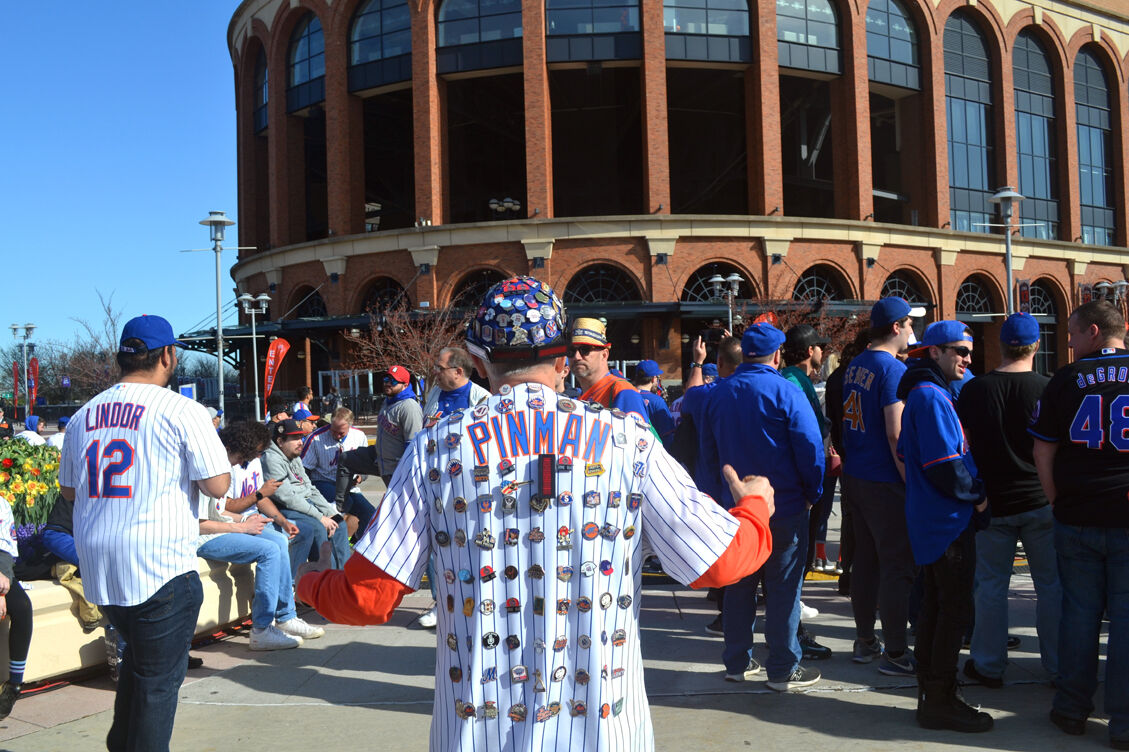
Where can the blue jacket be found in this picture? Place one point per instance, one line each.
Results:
(658, 415)
(761, 424)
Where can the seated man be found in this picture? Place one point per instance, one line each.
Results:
(320, 453)
(275, 624)
(298, 500)
(31, 433)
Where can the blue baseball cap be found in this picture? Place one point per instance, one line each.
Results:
(63, 421)
(941, 333)
(1019, 329)
(710, 369)
(889, 310)
(761, 339)
(154, 331)
(648, 368)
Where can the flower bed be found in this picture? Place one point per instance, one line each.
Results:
(29, 481)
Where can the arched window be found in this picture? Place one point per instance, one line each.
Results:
(807, 33)
(601, 283)
(699, 289)
(473, 288)
(379, 42)
(311, 305)
(716, 30)
(592, 30)
(968, 101)
(819, 283)
(262, 91)
(891, 45)
(1095, 149)
(972, 297)
(903, 285)
(1043, 307)
(474, 21)
(307, 65)
(383, 294)
(1035, 138)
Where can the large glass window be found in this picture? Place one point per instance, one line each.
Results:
(1044, 309)
(381, 29)
(1095, 149)
(307, 52)
(1035, 138)
(718, 17)
(820, 283)
(262, 91)
(601, 283)
(474, 21)
(891, 45)
(590, 16)
(968, 104)
(807, 33)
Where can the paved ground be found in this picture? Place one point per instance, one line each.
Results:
(365, 688)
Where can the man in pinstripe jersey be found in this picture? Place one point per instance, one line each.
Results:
(136, 459)
(539, 510)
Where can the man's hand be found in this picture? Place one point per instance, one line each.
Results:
(287, 526)
(324, 562)
(270, 486)
(698, 350)
(5, 585)
(982, 506)
(750, 485)
(254, 524)
(330, 525)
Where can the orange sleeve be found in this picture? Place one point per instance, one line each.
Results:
(360, 594)
(748, 550)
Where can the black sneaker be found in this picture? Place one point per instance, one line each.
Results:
(714, 627)
(1072, 726)
(970, 670)
(9, 693)
(1013, 642)
(194, 662)
(799, 678)
(813, 651)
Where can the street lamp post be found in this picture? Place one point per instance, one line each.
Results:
(27, 332)
(1005, 197)
(217, 222)
(733, 284)
(260, 308)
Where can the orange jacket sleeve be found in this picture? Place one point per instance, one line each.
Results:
(360, 594)
(748, 550)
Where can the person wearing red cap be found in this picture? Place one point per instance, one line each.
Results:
(399, 419)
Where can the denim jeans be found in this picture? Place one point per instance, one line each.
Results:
(783, 575)
(355, 504)
(157, 635)
(274, 585)
(818, 517)
(1093, 566)
(995, 554)
(946, 609)
(311, 534)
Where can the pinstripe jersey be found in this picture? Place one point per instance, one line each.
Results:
(132, 455)
(538, 641)
(8, 530)
(320, 451)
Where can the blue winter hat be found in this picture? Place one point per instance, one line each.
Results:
(31, 422)
(761, 339)
(888, 310)
(519, 318)
(941, 333)
(648, 368)
(710, 369)
(154, 331)
(1019, 329)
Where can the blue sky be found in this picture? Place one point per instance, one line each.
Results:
(118, 136)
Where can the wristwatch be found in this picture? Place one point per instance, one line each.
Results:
(695, 365)
(258, 496)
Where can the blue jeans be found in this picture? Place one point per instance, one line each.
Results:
(60, 544)
(1093, 566)
(157, 634)
(995, 554)
(274, 585)
(355, 504)
(783, 575)
(311, 534)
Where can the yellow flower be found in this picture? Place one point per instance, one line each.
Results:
(4, 477)
(30, 501)
(18, 486)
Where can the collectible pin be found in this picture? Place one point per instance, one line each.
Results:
(539, 645)
(513, 605)
(614, 498)
(518, 674)
(433, 475)
(460, 538)
(624, 601)
(505, 467)
(582, 676)
(564, 463)
(616, 673)
(535, 571)
(543, 714)
(459, 504)
(490, 640)
(536, 536)
(466, 576)
(560, 644)
(438, 505)
(606, 567)
(566, 405)
(588, 569)
(517, 711)
(486, 607)
(606, 601)
(464, 709)
(510, 572)
(456, 416)
(454, 468)
(629, 532)
(505, 405)
(468, 606)
(512, 536)
(539, 606)
(450, 603)
(487, 573)
(619, 439)
(480, 411)
(590, 530)
(584, 642)
(583, 604)
(618, 708)
(481, 473)
(641, 444)
(509, 503)
(431, 446)
(593, 469)
(485, 503)
(489, 710)
(639, 469)
(484, 539)
(537, 403)
(452, 642)
(564, 498)
(564, 573)
(562, 605)
(605, 710)
(456, 674)
(505, 389)
(512, 642)
(539, 503)
(442, 538)
(593, 406)
(591, 498)
(538, 682)
(449, 576)
(609, 531)
(564, 538)
(634, 501)
(514, 485)
(559, 673)
(619, 637)
(453, 440)
(577, 708)
(616, 412)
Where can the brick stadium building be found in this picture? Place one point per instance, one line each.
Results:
(837, 149)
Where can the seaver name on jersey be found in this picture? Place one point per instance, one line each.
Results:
(1103, 375)
(513, 435)
(859, 376)
(114, 415)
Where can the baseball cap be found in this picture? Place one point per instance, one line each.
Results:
(396, 373)
(288, 427)
(648, 368)
(761, 339)
(64, 420)
(941, 333)
(804, 335)
(305, 415)
(589, 332)
(520, 318)
(710, 369)
(888, 310)
(1019, 329)
(154, 331)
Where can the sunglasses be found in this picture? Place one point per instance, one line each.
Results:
(960, 350)
(583, 350)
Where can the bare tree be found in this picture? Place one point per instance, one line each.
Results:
(92, 361)
(412, 339)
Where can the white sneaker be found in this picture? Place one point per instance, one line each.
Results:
(297, 628)
(807, 612)
(428, 619)
(273, 638)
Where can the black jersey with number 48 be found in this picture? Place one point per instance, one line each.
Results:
(1085, 409)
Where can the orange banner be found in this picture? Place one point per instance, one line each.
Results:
(275, 353)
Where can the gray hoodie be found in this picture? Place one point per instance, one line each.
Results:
(296, 493)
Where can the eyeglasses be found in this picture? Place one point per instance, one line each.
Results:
(583, 350)
(438, 367)
(960, 350)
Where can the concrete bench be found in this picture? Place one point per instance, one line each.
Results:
(60, 647)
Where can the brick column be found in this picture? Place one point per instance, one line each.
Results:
(538, 113)
(1007, 158)
(286, 157)
(656, 142)
(762, 114)
(345, 147)
(935, 147)
(1070, 191)
(1119, 122)
(427, 105)
(850, 118)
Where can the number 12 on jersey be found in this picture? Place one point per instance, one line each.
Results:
(1088, 426)
(103, 463)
